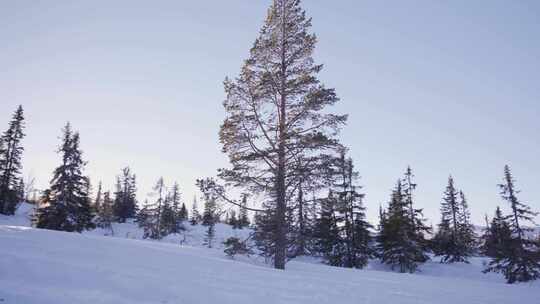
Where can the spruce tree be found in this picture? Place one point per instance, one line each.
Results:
(232, 220)
(179, 212)
(150, 218)
(277, 110)
(68, 207)
(144, 220)
(442, 239)
(350, 215)
(209, 219)
(519, 259)
(314, 175)
(497, 236)
(210, 216)
(209, 235)
(183, 214)
(265, 230)
(20, 192)
(455, 237)
(99, 199)
(243, 219)
(106, 215)
(397, 240)
(125, 201)
(11, 150)
(466, 228)
(159, 190)
(327, 233)
(195, 215)
(416, 217)
(408, 188)
(168, 221)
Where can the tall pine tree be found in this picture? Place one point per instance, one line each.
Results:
(327, 232)
(150, 218)
(454, 240)
(178, 209)
(351, 216)
(125, 201)
(497, 236)
(277, 110)
(105, 212)
(400, 243)
(209, 219)
(243, 219)
(466, 228)
(195, 215)
(68, 203)
(11, 150)
(519, 257)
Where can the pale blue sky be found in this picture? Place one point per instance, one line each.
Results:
(449, 87)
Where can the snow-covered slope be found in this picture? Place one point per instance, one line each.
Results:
(192, 236)
(41, 267)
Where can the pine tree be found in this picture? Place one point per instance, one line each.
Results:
(210, 216)
(232, 220)
(243, 219)
(497, 236)
(454, 240)
(350, 216)
(44, 200)
(125, 201)
(486, 235)
(11, 151)
(159, 190)
(209, 219)
(382, 217)
(327, 233)
(99, 199)
(398, 244)
(179, 212)
(408, 188)
(68, 207)
(183, 214)
(519, 257)
(314, 175)
(195, 215)
(442, 239)
(106, 215)
(150, 218)
(466, 228)
(264, 230)
(276, 110)
(20, 192)
(168, 221)
(145, 219)
(416, 217)
(209, 235)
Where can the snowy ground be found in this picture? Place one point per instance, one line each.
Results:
(42, 267)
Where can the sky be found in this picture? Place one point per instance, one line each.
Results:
(447, 87)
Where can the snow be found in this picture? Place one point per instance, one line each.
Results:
(42, 267)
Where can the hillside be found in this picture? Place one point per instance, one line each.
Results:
(42, 267)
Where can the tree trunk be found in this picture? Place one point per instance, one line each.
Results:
(301, 250)
(281, 204)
